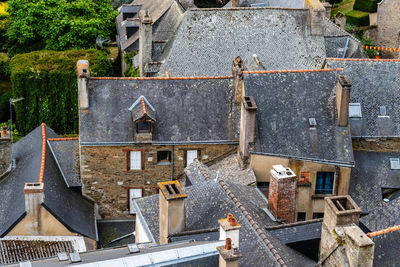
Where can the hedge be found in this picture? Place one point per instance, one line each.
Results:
(366, 5)
(357, 18)
(47, 81)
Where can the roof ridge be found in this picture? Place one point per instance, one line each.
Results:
(163, 78)
(143, 106)
(63, 139)
(43, 161)
(247, 8)
(287, 225)
(363, 59)
(202, 170)
(289, 71)
(255, 226)
(384, 231)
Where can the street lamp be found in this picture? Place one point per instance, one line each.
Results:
(12, 101)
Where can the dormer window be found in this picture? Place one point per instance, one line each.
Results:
(143, 116)
(355, 110)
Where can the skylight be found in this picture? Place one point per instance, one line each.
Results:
(354, 110)
(395, 163)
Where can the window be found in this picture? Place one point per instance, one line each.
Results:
(134, 193)
(324, 184)
(163, 157)
(354, 110)
(264, 187)
(304, 177)
(190, 156)
(301, 216)
(317, 215)
(143, 126)
(136, 160)
(395, 163)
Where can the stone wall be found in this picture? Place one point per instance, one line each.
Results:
(5, 155)
(106, 177)
(389, 26)
(377, 144)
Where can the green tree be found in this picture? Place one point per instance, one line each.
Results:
(58, 24)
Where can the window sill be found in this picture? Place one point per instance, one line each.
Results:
(321, 196)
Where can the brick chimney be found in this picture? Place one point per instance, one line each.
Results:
(34, 197)
(5, 152)
(247, 128)
(238, 83)
(235, 3)
(229, 228)
(343, 87)
(83, 74)
(316, 14)
(171, 210)
(145, 40)
(343, 243)
(282, 193)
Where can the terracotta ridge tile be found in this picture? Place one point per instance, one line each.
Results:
(290, 71)
(143, 106)
(162, 78)
(363, 59)
(384, 231)
(43, 161)
(63, 139)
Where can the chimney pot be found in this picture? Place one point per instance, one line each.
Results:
(229, 228)
(228, 244)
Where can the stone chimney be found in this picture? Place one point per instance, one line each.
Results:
(235, 3)
(229, 228)
(145, 40)
(343, 243)
(34, 197)
(247, 128)
(343, 87)
(171, 209)
(316, 14)
(282, 193)
(238, 83)
(83, 74)
(5, 152)
(228, 255)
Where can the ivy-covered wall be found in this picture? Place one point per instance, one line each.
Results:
(47, 81)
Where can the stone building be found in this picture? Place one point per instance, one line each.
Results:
(136, 132)
(5, 152)
(388, 23)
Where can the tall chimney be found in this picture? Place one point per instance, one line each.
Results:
(342, 241)
(235, 3)
(83, 74)
(238, 83)
(5, 152)
(282, 193)
(34, 197)
(145, 40)
(171, 210)
(228, 255)
(247, 128)
(229, 228)
(343, 87)
(316, 14)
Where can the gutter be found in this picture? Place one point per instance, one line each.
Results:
(213, 142)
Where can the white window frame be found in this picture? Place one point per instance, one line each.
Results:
(395, 163)
(355, 110)
(187, 156)
(133, 196)
(134, 155)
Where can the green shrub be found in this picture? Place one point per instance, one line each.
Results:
(131, 71)
(366, 5)
(357, 18)
(47, 81)
(4, 66)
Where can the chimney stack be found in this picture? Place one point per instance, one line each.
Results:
(229, 228)
(5, 152)
(342, 241)
(343, 87)
(238, 83)
(145, 40)
(282, 193)
(34, 197)
(235, 3)
(228, 255)
(247, 128)
(83, 74)
(316, 14)
(171, 209)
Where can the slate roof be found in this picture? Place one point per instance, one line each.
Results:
(371, 173)
(208, 40)
(74, 211)
(298, 233)
(271, 3)
(208, 202)
(285, 102)
(191, 110)
(66, 154)
(118, 231)
(376, 83)
(387, 246)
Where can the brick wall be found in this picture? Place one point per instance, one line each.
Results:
(106, 177)
(5, 155)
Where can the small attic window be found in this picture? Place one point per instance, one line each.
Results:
(312, 122)
(395, 163)
(143, 127)
(355, 110)
(382, 111)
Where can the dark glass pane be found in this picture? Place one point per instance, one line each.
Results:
(143, 126)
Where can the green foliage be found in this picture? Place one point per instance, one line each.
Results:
(131, 71)
(4, 22)
(365, 40)
(366, 5)
(15, 134)
(357, 18)
(58, 24)
(47, 81)
(4, 105)
(4, 66)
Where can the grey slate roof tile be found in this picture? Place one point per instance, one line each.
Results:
(285, 103)
(271, 3)
(376, 83)
(186, 110)
(298, 233)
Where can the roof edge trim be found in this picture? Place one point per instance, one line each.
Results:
(43, 162)
(227, 142)
(139, 216)
(13, 225)
(58, 164)
(362, 59)
(290, 71)
(138, 100)
(161, 78)
(247, 8)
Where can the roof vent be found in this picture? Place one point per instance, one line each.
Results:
(312, 122)
(355, 110)
(62, 256)
(382, 111)
(133, 248)
(75, 257)
(395, 163)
